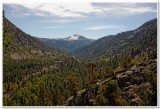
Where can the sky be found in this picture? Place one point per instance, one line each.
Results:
(92, 20)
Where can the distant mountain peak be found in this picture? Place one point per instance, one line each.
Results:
(75, 37)
(69, 44)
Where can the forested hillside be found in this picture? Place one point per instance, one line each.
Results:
(116, 70)
(142, 39)
(34, 74)
(132, 58)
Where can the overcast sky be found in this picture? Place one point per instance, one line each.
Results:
(92, 20)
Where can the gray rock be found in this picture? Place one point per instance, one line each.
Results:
(129, 73)
(136, 101)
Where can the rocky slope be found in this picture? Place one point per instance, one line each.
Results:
(30, 69)
(139, 83)
(141, 39)
(27, 55)
(134, 81)
(20, 46)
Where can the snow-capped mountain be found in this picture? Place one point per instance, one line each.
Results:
(75, 37)
(69, 44)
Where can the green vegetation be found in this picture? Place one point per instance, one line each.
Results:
(7, 39)
(51, 88)
(111, 95)
(35, 75)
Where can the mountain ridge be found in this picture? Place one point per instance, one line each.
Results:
(69, 44)
(19, 45)
(75, 37)
(114, 44)
(124, 73)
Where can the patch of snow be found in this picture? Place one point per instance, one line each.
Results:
(74, 37)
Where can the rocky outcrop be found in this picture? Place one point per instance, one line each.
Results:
(86, 96)
(133, 79)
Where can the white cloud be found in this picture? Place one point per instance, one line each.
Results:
(100, 27)
(81, 10)
(20, 14)
(125, 9)
(61, 10)
(48, 27)
(61, 21)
